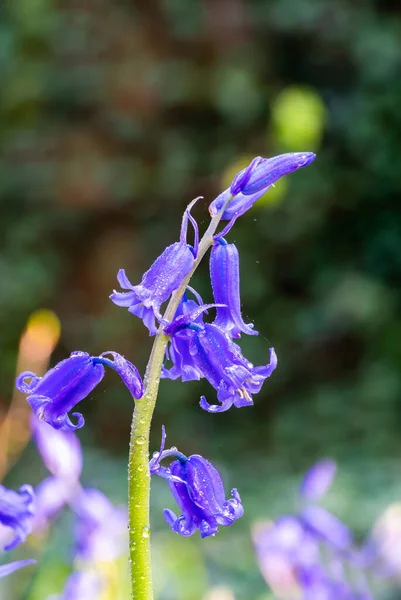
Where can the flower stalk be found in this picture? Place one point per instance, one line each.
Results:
(138, 463)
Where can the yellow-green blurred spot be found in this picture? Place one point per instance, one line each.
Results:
(298, 117)
(44, 326)
(115, 579)
(180, 568)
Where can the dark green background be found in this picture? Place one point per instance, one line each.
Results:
(115, 114)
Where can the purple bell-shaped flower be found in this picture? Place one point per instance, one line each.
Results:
(199, 492)
(70, 381)
(161, 280)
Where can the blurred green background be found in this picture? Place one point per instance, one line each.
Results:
(114, 114)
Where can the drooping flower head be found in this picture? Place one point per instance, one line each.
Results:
(224, 275)
(222, 363)
(56, 393)
(161, 280)
(199, 492)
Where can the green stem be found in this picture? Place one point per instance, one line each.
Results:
(138, 469)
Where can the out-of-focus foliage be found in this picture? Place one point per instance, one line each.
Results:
(113, 116)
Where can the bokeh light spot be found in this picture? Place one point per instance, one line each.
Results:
(298, 118)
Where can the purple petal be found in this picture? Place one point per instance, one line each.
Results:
(182, 525)
(15, 566)
(318, 479)
(60, 451)
(126, 370)
(52, 495)
(242, 178)
(184, 226)
(178, 349)
(216, 408)
(27, 387)
(188, 319)
(101, 529)
(326, 526)
(16, 512)
(219, 202)
(158, 283)
(123, 280)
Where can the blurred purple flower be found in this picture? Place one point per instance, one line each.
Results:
(15, 566)
(199, 492)
(82, 585)
(224, 274)
(61, 451)
(16, 512)
(326, 526)
(161, 280)
(101, 528)
(312, 552)
(70, 381)
(317, 480)
(52, 495)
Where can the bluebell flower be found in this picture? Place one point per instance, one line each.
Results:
(222, 363)
(16, 512)
(253, 182)
(161, 280)
(224, 274)
(83, 584)
(52, 396)
(199, 492)
(233, 376)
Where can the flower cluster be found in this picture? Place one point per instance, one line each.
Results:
(312, 554)
(196, 349)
